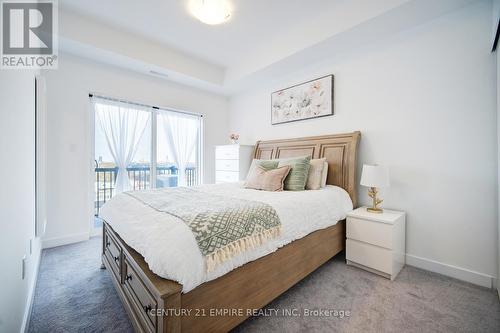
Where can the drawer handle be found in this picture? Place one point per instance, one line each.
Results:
(116, 258)
(108, 244)
(128, 277)
(147, 308)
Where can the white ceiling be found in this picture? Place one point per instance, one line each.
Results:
(255, 24)
(262, 38)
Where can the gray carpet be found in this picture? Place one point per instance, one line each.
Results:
(74, 295)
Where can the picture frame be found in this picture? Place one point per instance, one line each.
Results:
(307, 100)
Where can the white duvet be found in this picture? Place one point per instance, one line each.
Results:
(171, 251)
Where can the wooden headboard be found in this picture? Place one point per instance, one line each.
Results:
(340, 151)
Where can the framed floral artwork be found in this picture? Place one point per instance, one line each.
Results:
(311, 99)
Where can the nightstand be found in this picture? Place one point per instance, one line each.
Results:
(232, 162)
(376, 242)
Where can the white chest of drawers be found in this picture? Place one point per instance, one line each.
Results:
(376, 242)
(232, 162)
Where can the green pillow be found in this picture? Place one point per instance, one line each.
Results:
(265, 164)
(297, 178)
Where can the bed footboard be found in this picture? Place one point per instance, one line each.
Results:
(155, 304)
(152, 303)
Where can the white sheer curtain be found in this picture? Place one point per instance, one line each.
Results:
(123, 127)
(182, 134)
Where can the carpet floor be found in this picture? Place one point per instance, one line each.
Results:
(74, 295)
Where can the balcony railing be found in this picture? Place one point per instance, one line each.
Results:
(139, 177)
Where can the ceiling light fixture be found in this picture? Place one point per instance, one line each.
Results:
(211, 11)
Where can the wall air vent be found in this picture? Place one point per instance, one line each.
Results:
(158, 73)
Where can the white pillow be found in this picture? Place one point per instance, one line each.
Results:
(316, 177)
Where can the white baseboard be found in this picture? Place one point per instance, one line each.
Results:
(31, 294)
(69, 239)
(458, 273)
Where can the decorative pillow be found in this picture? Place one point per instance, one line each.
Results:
(325, 175)
(297, 178)
(315, 176)
(266, 164)
(267, 180)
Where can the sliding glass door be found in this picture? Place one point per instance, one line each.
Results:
(178, 149)
(139, 147)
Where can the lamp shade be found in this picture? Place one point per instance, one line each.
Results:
(375, 176)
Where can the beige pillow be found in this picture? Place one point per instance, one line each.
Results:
(325, 175)
(316, 174)
(267, 180)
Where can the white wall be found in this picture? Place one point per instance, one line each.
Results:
(496, 16)
(17, 197)
(424, 101)
(498, 161)
(70, 136)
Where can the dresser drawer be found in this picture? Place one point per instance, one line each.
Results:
(143, 301)
(376, 233)
(226, 153)
(227, 165)
(370, 256)
(226, 176)
(112, 251)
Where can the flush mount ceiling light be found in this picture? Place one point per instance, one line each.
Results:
(211, 11)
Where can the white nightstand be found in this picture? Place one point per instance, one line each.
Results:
(376, 242)
(232, 162)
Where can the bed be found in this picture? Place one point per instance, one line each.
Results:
(192, 300)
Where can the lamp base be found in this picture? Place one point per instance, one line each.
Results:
(372, 193)
(375, 210)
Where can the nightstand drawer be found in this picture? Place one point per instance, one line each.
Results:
(226, 176)
(369, 255)
(227, 165)
(371, 232)
(226, 153)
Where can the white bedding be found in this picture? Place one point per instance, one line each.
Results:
(171, 251)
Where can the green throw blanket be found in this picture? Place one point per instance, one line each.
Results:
(222, 226)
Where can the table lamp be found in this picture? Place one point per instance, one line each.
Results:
(374, 177)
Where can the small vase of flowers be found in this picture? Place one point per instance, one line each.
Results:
(234, 138)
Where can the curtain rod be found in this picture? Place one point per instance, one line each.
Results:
(144, 105)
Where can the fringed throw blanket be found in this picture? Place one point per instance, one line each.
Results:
(223, 226)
